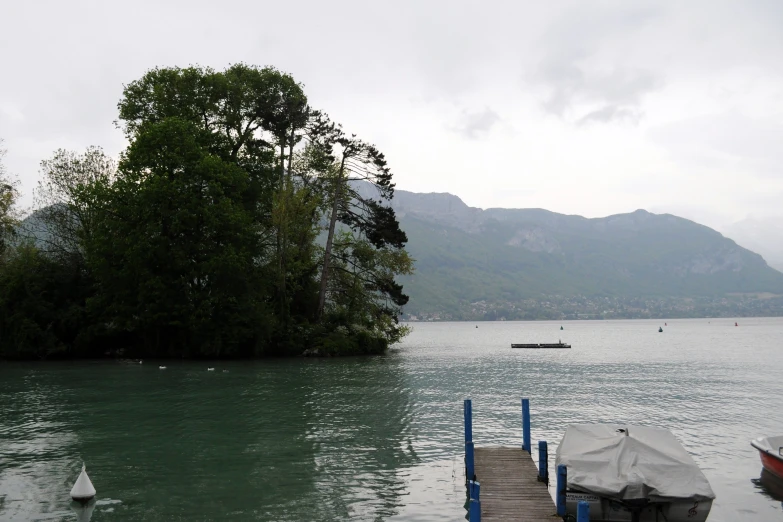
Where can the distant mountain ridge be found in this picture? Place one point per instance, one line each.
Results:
(466, 255)
(537, 264)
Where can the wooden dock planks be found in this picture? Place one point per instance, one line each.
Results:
(510, 489)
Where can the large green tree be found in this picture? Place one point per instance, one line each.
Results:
(206, 239)
(175, 253)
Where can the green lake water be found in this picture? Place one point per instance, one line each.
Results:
(379, 438)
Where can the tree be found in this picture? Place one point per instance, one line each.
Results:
(175, 251)
(9, 193)
(250, 116)
(204, 240)
(42, 308)
(65, 198)
(358, 165)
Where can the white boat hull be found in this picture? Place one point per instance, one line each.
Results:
(607, 510)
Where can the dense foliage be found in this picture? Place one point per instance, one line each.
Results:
(229, 228)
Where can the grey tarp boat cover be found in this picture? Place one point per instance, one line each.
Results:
(630, 462)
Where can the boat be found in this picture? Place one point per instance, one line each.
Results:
(544, 345)
(771, 453)
(632, 473)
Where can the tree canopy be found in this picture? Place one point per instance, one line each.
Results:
(230, 227)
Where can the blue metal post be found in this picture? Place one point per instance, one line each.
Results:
(468, 420)
(543, 462)
(562, 481)
(469, 458)
(469, 466)
(475, 510)
(583, 511)
(526, 425)
(475, 489)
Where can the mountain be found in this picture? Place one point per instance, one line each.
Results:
(536, 264)
(469, 260)
(762, 235)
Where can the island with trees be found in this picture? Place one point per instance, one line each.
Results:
(237, 223)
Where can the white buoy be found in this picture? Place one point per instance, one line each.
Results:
(210, 369)
(225, 371)
(83, 490)
(162, 367)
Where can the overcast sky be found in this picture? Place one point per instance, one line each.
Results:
(590, 108)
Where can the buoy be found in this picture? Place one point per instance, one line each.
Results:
(83, 490)
(225, 371)
(561, 327)
(210, 369)
(735, 324)
(162, 367)
(140, 361)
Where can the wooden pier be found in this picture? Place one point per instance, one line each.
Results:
(510, 489)
(504, 483)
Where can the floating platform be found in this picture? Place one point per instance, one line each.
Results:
(544, 345)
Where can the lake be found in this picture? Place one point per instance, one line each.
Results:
(379, 438)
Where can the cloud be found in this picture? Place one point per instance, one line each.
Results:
(729, 140)
(610, 113)
(579, 76)
(474, 125)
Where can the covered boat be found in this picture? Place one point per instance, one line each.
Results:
(771, 453)
(632, 473)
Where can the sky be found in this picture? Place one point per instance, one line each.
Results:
(590, 108)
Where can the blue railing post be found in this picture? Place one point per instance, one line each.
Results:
(526, 425)
(469, 458)
(468, 410)
(475, 489)
(475, 510)
(470, 472)
(562, 484)
(543, 462)
(583, 511)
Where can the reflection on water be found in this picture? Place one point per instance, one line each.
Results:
(377, 438)
(770, 485)
(83, 511)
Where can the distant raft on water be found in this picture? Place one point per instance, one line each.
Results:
(544, 345)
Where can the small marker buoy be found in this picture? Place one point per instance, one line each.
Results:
(210, 369)
(162, 367)
(140, 361)
(83, 490)
(225, 371)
